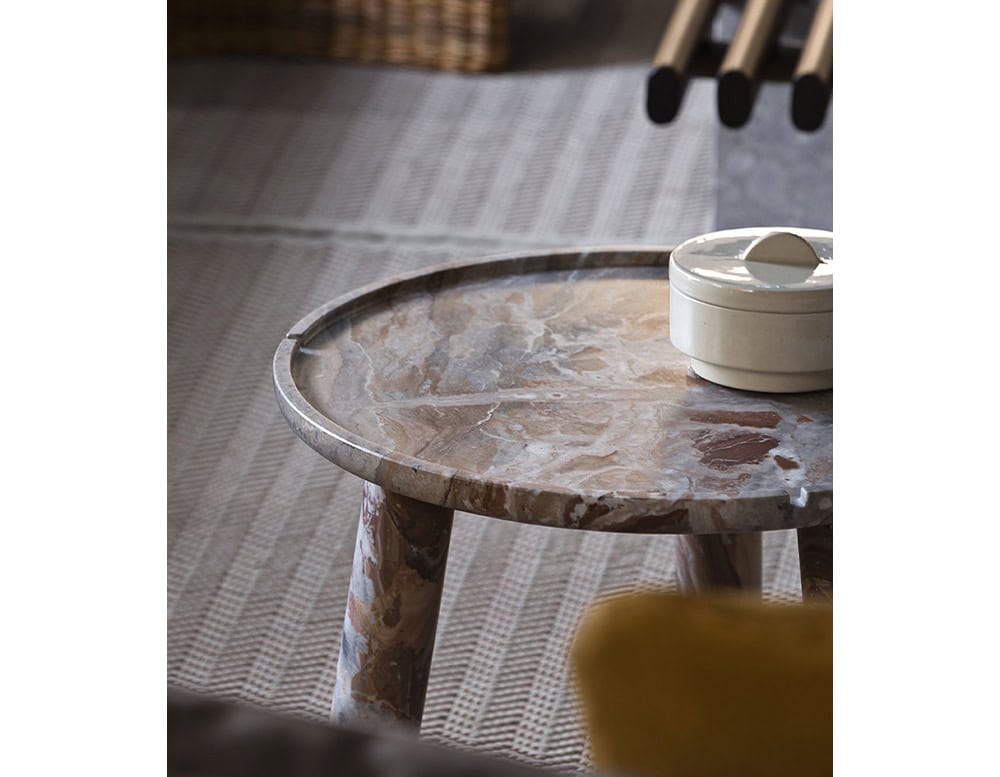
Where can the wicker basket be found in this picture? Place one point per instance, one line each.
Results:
(464, 35)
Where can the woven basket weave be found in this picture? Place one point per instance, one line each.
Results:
(464, 35)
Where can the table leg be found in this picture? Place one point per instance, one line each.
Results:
(706, 561)
(392, 609)
(816, 562)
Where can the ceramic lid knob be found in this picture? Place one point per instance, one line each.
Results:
(780, 258)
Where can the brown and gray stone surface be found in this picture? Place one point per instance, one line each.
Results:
(392, 609)
(544, 389)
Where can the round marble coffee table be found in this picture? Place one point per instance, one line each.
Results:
(542, 389)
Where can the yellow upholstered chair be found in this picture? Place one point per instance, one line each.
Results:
(721, 686)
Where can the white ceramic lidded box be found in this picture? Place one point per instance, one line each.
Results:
(753, 308)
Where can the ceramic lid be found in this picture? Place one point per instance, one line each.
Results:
(768, 269)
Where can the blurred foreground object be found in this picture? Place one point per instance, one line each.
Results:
(208, 737)
(463, 35)
(711, 685)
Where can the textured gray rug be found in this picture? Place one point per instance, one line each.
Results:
(546, 157)
(291, 183)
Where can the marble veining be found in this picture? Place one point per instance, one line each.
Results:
(392, 609)
(545, 389)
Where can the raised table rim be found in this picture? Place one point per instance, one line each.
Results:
(521, 501)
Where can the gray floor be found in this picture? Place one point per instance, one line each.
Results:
(291, 183)
(770, 173)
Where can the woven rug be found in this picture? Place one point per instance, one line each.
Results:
(292, 183)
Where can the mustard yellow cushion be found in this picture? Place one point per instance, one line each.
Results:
(719, 685)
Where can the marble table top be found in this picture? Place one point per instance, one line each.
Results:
(544, 388)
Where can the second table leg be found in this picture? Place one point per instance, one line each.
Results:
(816, 562)
(707, 561)
(392, 609)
